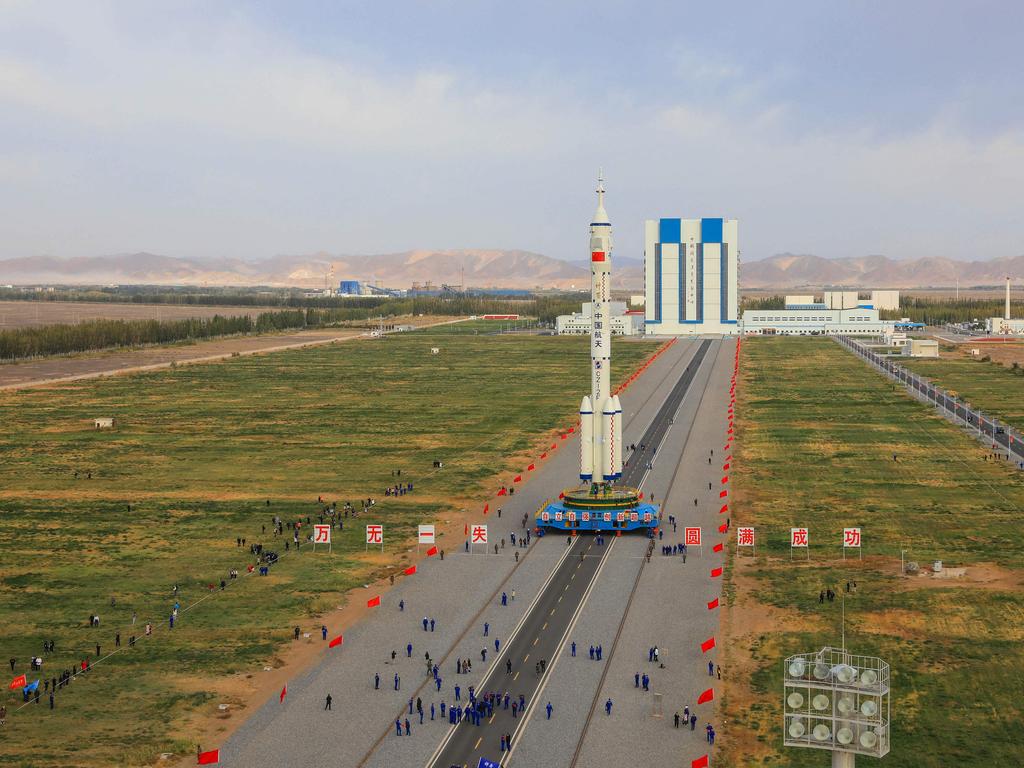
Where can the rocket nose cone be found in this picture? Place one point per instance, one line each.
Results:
(585, 406)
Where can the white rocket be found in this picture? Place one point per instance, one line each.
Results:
(601, 412)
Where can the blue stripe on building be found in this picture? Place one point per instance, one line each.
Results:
(670, 230)
(710, 230)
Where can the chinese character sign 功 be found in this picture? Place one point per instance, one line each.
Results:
(798, 537)
(744, 537)
(375, 534)
(479, 534)
(321, 534)
(851, 537)
(691, 537)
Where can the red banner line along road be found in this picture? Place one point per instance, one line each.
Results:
(700, 762)
(410, 570)
(335, 642)
(707, 645)
(723, 528)
(717, 547)
(716, 572)
(284, 692)
(432, 551)
(707, 696)
(713, 604)
(209, 758)
(373, 602)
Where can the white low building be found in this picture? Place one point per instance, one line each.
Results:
(921, 348)
(623, 323)
(814, 321)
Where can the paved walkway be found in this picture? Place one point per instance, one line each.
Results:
(460, 594)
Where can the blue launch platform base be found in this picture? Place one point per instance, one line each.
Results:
(599, 508)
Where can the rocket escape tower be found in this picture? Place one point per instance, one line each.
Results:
(599, 503)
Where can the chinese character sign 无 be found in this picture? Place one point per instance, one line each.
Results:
(479, 534)
(321, 534)
(691, 537)
(375, 534)
(798, 537)
(851, 537)
(744, 537)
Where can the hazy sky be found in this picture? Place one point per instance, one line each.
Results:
(253, 129)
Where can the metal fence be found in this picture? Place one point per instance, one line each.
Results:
(1001, 437)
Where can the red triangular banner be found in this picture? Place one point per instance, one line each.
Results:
(707, 645)
(718, 546)
(335, 642)
(716, 572)
(707, 696)
(209, 758)
(432, 551)
(410, 570)
(713, 604)
(700, 762)
(373, 602)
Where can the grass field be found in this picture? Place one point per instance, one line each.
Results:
(817, 430)
(995, 388)
(198, 451)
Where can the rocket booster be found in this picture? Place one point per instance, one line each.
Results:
(601, 438)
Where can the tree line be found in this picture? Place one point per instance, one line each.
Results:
(936, 311)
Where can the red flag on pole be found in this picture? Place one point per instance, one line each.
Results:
(531, 468)
(544, 455)
(717, 547)
(553, 446)
(571, 430)
(284, 692)
(487, 508)
(432, 551)
(707, 696)
(707, 645)
(518, 479)
(561, 495)
(725, 480)
(723, 494)
(700, 762)
(713, 604)
(716, 572)
(502, 492)
(724, 509)
(19, 682)
(336, 642)
(209, 758)
(373, 602)
(725, 467)
(723, 528)
(410, 570)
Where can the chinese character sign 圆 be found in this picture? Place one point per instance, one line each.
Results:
(691, 537)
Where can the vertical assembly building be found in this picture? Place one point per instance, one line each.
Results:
(690, 276)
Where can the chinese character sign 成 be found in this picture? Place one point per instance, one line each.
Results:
(798, 537)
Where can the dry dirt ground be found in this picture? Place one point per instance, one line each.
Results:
(25, 314)
(90, 365)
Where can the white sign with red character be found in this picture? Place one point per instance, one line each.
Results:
(691, 537)
(375, 535)
(798, 537)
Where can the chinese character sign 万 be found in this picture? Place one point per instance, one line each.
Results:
(744, 537)
(798, 537)
(691, 537)
(479, 534)
(321, 534)
(375, 534)
(851, 537)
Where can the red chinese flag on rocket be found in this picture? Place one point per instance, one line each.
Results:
(336, 642)
(700, 762)
(716, 572)
(209, 758)
(432, 551)
(284, 691)
(707, 645)
(410, 570)
(19, 682)
(373, 602)
(713, 604)
(707, 696)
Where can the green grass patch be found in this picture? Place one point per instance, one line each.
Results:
(816, 434)
(991, 386)
(197, 452)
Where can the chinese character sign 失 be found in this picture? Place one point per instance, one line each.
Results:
(479, 534)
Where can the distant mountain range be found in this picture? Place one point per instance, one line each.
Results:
(477, 268)
(788, 270)
(491, 268)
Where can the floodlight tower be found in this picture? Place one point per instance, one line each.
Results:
(837, 701)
